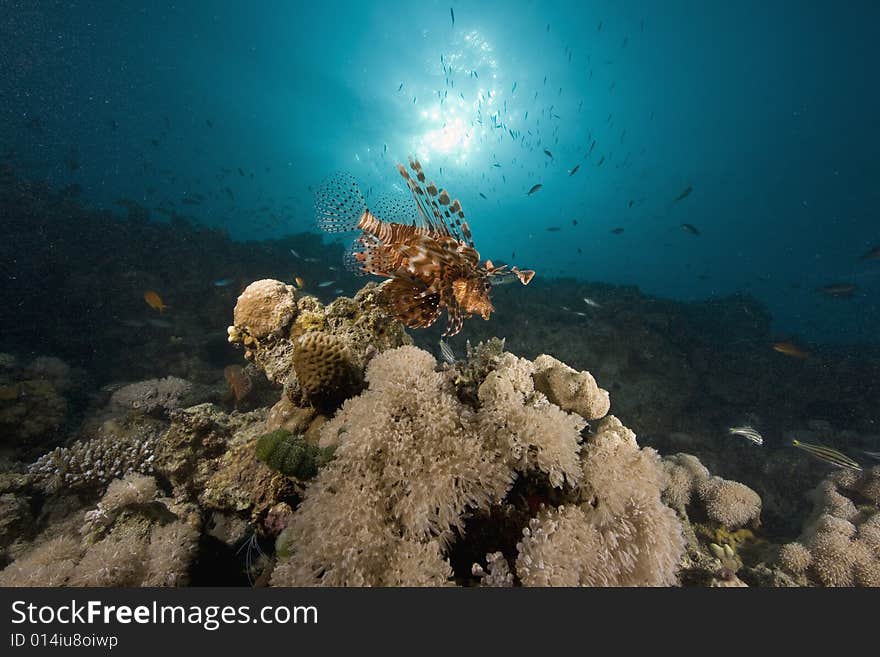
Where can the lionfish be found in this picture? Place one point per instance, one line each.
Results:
(428, 255)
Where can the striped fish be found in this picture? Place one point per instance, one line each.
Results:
(747, 432)
(447, 353)
(829, 455)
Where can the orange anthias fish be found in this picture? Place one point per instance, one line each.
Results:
(154, 301)
(790, 349)
(423, 247)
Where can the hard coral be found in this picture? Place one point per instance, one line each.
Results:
(265, 309)
(361, 324)
(156, 395)
(325, 369)
(117, 449)
(573, 391)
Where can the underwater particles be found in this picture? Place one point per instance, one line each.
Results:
(747, 432)
(828, 454)
(430, 262)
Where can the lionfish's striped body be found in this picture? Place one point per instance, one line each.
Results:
(429, 260)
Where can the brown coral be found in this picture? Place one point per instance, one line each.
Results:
(265, 308)
(573, 391)
(324, 369)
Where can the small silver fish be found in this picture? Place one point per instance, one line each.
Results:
(311, 259)
(338, 290)
(591, 303)
(447, 353)
(159, 323)
(747, 432)
(326, 283)
(294, 254)
(873, 455)
(223, 282)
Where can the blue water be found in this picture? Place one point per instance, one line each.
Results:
(767, 110)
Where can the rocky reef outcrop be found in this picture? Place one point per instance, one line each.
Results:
(378, 465)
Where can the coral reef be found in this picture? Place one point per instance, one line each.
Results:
(414, 463)
(264, 310)
(292, 455)
(491, 470)
(324, 369)
(158, 396)
(118, 448)
(352, 331)
(840, 544)
(129, 539)
(727, 503)
(619, 534)
(33, 408)
(572, 391)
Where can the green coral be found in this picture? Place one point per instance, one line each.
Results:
(291, 455)
(308, 321)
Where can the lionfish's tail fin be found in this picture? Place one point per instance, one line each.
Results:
(339, 204)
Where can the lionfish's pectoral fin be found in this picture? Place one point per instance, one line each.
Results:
(454, 320)
(407, 301)
(339, 204)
